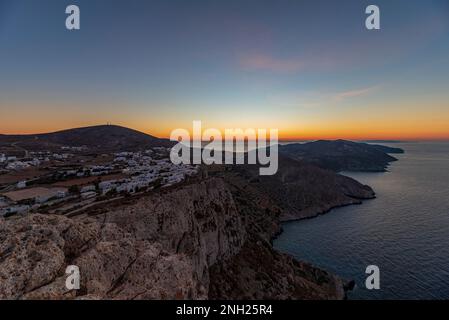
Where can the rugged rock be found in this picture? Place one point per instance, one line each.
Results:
(300, 190)
(209, 238)
(159, 247)
(259, 272)
(297, 191)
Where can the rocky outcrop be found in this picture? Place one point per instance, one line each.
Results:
(158, 247)
(297, 191)
(259, 272)
(38, 248)
(209, 238)
(300, 190)
(199, 221)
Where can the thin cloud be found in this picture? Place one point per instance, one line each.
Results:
(354, 93)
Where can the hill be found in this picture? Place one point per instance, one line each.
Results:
(342, 155)
(103, 137)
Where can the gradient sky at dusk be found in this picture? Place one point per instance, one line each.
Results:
(309, 68)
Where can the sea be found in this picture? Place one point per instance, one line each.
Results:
(404, 231)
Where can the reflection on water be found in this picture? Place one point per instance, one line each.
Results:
(405, 231)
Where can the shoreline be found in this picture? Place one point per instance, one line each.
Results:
(326, 211)
(243, 217)
(348, 284)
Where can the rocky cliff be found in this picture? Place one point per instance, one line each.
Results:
(301, 190)
(258, 271)
(155, 247)
(209, 238)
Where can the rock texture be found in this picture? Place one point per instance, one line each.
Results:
(159, 247)
(208, 238)
(34, 260)
(302, 190)
(259, 272)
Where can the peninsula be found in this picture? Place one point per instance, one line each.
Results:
(141, 228)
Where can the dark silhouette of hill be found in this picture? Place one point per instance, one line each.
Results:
(342, 155)
(103, 137)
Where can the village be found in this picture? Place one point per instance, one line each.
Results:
(74, 179)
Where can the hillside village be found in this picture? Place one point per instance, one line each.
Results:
(76, 178)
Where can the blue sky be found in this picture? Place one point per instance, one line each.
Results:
(306, 67)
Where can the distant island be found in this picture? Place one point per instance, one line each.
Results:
(108, 200)
(381, 141)
(342, 155)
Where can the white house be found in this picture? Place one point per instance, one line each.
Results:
(107, 184)
(88, 188)
(17, 165)
(21, 184)
(88, 195)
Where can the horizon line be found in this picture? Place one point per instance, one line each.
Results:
(391, 139)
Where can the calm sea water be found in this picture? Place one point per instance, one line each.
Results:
(405, 231)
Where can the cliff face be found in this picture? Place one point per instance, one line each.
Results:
(258, 271)
(210, 238)
(199, 222)
(301, 190)
(159, 247)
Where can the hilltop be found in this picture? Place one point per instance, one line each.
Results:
(145, 228)
(104, 137)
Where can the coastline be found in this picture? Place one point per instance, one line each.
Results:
(348, 284)
(217, 229)
(260, 202)
(319, 212)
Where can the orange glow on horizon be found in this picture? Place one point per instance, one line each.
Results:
(164, 130)
(418, 124)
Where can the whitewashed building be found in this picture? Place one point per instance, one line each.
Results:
(21, 184)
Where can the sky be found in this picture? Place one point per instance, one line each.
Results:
(308, 68)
